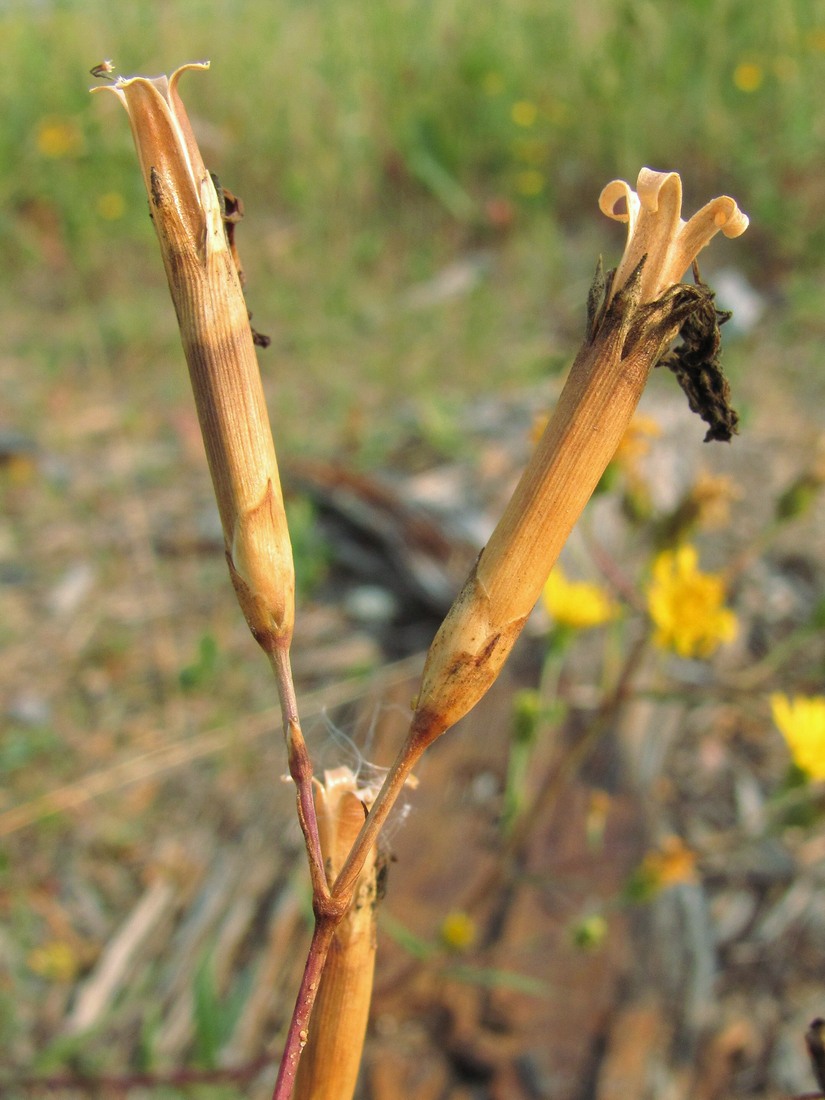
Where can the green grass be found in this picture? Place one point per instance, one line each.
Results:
(369, 141)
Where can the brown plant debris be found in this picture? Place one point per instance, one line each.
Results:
(232, 210)
(814, 1037)
(696, 364)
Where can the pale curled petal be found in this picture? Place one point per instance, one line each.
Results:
(656, 205)
(657, 231)
(612, 194)
(719, 215)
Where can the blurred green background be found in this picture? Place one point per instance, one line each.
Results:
(377, 146)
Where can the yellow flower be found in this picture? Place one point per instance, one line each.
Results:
(673, 862)
(576, 604)
(59, 137)
(55, 961)
(458, 931)
(635, 445)
(589, 934)
(710, 499)
(530, 182)
(111, 205)
(748, 76)
(801, 721)
(524, 113)
(686, 605)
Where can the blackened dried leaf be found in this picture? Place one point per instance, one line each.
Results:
(260, 339)
(696, 364)
(815, 1041)
(595, 299)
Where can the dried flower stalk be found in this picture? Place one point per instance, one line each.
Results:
(329, 1066)
(633, 319)
(206, 286)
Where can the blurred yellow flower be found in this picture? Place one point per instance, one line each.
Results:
(635, 445)
(801, 721)
(56, 961)
(524, 113)
(589, 934)
(595, 823)
(748, 76)
(493, 83)
(458, 931)
(537, 427)
(710, 498)
(705, 504)
(59, 137)
(671, 863)
(687, 606)
(815, 39)
(530, 182)
(111, 205)
(576, 604)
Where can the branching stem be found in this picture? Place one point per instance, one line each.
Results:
(300, 768)
(397, 776)
(298, 1032)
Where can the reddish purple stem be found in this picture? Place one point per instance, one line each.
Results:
(298, 1033)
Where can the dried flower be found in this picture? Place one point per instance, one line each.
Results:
(576, 604)
(687, 606)
(630, 326)
(801, 721)
(217, 340)
(656, 230)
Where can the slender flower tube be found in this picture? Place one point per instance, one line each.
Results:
(217, 341)
(643, 309)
